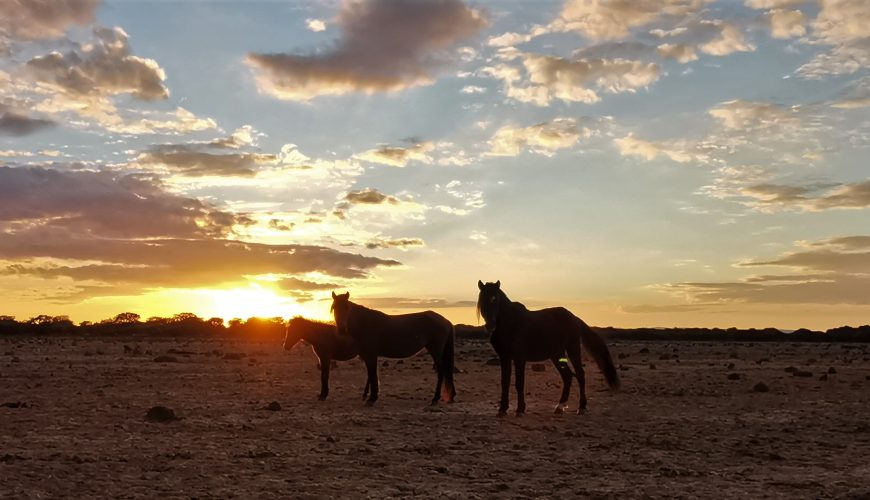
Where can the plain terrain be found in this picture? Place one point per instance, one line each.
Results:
(687, 423)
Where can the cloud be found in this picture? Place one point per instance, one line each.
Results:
(369, 196)
(242, 137)
(411, 303)
(41, 19)
(20, 125)
(613, 19)
(398, 156)
(386, 45)
(679, 51)
(102, 68)
(574, 80)
(315, 25)
(810, 197)
(632, 146)
(543, 138)
(787, 23)
(304, 285)
(400, 243)
(842, 24)
(728, 41)
(834, 271)
(752, 115)
(128, 230)
(187, 160)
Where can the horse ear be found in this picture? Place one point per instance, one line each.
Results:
(498, 284)
(479, 284)
(334, 296)
(347, 295)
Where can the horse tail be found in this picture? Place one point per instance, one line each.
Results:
(598, 349)
(448, 360)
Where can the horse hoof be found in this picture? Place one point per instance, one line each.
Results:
(502, 413)
(321, 398)
(581, 411)
(520, 413)
(560, 409)
(370, 402)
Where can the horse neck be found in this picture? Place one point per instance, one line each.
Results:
(311, 332)
(510, 308)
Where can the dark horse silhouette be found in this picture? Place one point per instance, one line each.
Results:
(327, 344)
(398, 336)
(519, 335)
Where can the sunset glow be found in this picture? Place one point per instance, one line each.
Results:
(662, 163)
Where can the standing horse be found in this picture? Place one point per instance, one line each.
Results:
(519, 335)
(327, 345)
(398, 336)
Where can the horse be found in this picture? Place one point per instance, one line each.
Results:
(327, 344)
(398, 336)
(519, 335)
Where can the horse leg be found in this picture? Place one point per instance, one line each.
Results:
(372, 368)
(566, 375)
(440, 370)
(505, 386)
(366, 390)
(520, 366)
(324, 378)
(577, 362)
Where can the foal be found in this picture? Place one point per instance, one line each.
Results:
(327, 344)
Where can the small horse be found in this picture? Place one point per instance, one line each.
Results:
(327, 344)
(398, 336)
(519, 335)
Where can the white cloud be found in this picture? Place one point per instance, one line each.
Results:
(315, 25)
(543, 138)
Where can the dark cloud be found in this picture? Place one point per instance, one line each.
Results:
(102, 68)
(369, 196)
(834, 271)
(190, 161)
(104, 204)
(19, 125)
(38, 19)
(385, 45)
(813, 197)
(394, 243)
(128, 232)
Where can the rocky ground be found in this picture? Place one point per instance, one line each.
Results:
(713, 420)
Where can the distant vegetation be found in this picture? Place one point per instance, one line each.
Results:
(839, 334)
(183, 324)
(188, 324)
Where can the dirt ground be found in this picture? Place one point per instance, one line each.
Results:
(686, 424)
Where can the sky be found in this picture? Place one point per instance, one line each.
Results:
(657, 163)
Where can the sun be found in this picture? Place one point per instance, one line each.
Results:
(254, 300)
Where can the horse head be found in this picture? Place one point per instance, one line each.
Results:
(488, 303)
(293, 332)
(340, 308)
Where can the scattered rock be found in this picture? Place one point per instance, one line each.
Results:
(234, 355)
(801, 373)
(730, 366)
(493, 362)
(385, 364)
(15, 404)
(652, 366)
(160, 414)
(644, 351)
(823, 378)
(763, 360)
(166, 359)
(330, 439)
(539, 367)
(831, 370)
(664, 357)
(761, 387)
(622, 355)
(273, 406)
(790, 369)
(733, 376)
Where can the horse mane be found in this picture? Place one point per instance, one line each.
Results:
(367, 311)
(310, 323)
